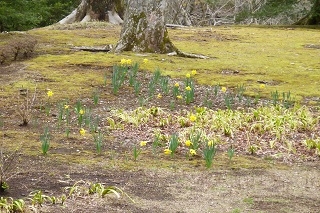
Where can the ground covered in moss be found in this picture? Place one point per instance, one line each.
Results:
(255, 101)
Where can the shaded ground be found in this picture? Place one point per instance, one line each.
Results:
(157, 183)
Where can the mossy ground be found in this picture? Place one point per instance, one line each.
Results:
(238, 56)
(277, 56)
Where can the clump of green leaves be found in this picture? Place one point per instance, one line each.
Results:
(118, 77)
(173, 143)
(189, 90)
(38, 198)
(136, 153)
(10, 205)
(80, 111)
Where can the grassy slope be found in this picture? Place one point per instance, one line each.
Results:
(274, 55)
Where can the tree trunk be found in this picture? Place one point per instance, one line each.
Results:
(144, 28)
(95, 10)
(313, 17)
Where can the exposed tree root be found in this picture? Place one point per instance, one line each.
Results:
(187, 55)
(106, 48)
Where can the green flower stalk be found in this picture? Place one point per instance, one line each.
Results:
(133, 74)
(105, 78)
(164, 82)
(230, 152)
(137, 87)
(195, 139)
(189, 93)
(45, 140)
(136, 151)
(209, 152)
(95, 97)
(175, 90)
(118, 76)
(98, 140)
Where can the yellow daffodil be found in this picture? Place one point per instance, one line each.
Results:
(81, 112)
(193, 72)
(188, 88)
(129, 61)
(192, 152)
(188, 75)
(262, 86)
(188, 143)
(167, 151)
(143, 143)
(193, 118)
(159, 96)
(223, 89)
(82, 131)
(176, 84)
(123, 61)
(145, 61)
(66, 106)
(210, 143)
(179, 97)
(50, 93)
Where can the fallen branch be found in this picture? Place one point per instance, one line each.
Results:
(173, 26)
(106, 48)
(187, 55)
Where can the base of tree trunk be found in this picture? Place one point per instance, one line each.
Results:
(91, 11)
(108, 48)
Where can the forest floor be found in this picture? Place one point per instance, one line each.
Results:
(275, 167)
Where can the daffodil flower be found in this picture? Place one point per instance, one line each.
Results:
(210, 143)
(82, 131)
(192, 152)
(145, 61)
(50, 93)
(223, 89)
(167, 151)
(179, 97)
(262, 86)
(66, 106)
(129, 62)
(176, 84)
(188, 143)
(188, 88)
(81, 112)
(159, 96)
(188, 75)
(193, 72)
(193, 118)
(123, 61)
(143, 143)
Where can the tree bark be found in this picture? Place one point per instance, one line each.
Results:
(144, 28)
(313, 17)
(95, 10)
